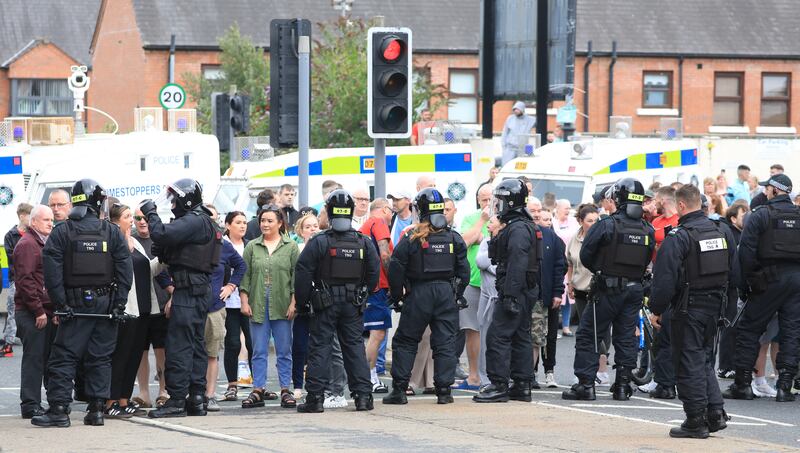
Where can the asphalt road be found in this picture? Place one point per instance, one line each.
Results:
(547, 424)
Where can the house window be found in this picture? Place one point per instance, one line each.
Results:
(657, 89)
(728, 89)
(212, 72)
(463, 104)
(775, 99)
(41, 97)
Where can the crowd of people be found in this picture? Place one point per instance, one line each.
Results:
(322, 294)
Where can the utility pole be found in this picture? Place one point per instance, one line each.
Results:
(542, 68)
(304, 110)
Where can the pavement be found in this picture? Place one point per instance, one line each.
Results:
(547, 424)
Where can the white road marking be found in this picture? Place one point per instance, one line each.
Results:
(9, 388)
(186, 429)
(570, 408)
(755, 419)
(730, 423)
(623, 406)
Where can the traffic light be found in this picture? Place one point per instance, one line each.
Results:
(389, 82)
(221, 119)
(240, 113)
(284, 68)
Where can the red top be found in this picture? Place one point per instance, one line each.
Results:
(378, 230)
(29, 277)
(662, 225)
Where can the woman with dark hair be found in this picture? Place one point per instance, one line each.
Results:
(267, 296)
(236, 324)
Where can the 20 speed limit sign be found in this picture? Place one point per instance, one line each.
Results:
(172, 96)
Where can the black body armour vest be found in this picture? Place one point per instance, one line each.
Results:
(437, 259)
(628, 252)
(344, 263)
(87, 261)
(198, 257)
(707, 264)
(498, 252)
(781, 242)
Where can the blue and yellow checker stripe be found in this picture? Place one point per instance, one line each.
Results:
(9, 165)
(652, 161)
(406, 163)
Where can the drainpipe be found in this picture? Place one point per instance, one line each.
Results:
(589, 57)
(171, 73)
(680, 86)
(611, 82)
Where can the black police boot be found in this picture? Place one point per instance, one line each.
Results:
(496, 392)
(520, 391)
(784, 386)
(740, 389)
(694, 427)
(663, 392)
(717, 420)
(56, 415)
(174, 407)
(196, 405)
(397, 395)
(363, 401)
(94, 412)
(621, 389)
(443, 395)
(313, 404)
(583, 391)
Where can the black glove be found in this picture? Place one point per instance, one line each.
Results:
(118, 313)
(511, 305)
(67, 312)
(461, 302)
(303, 309)
(147, 207)
(396, 305)
(157, 250)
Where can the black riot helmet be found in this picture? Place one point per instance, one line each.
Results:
(340, 206)
(429, 204)
(87, 194)
(509, 196)
(186, 195)
(629, 193)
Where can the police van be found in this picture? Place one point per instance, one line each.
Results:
(578, 170)
(131, 167)
(458, 169)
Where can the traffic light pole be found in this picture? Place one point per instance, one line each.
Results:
(304, 113)
(380, 168)
(542, 69)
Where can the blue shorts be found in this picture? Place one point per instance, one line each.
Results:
(378, 315)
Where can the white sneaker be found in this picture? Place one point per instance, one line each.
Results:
(602, 378)
(649, 387)
(298, 394)
(334, 402)
(550, 380)
(763, 390)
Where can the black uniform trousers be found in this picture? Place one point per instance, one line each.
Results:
(783, 297)
(35, 352)
(663, 367)
(549, 350)
(90, 340)
(186, 357)
(509, 349)
(430, 303)
(693, 335)
(727, 340)
(131, 340)
(617, 307)
(345, 320)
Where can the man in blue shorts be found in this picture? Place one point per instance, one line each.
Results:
(378, 315)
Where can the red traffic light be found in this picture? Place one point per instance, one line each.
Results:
(392, 49)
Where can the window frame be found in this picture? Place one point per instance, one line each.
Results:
(787, 99)
(207, 66)
(476, 96)
(739, 99)
(16, 98)
(669, 90)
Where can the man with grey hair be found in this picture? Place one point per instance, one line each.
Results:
(361, 213)
(425, 181)
(10, 241)
(34, 311)
(534, 207)
(59, 202)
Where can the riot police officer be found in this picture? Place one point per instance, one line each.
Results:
(517, 251)
(690, 276)
(343, 266)
(769, 259)
(429, 265)
(190, 245)
(88, 274)
(617, 250)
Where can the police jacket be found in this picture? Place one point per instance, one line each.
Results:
(442, 256)
(56, 249)
(618, 246)
(698, 252)
(771, 236)
(554, 266)
(316, 260)
(517, 251)
(194, 229)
